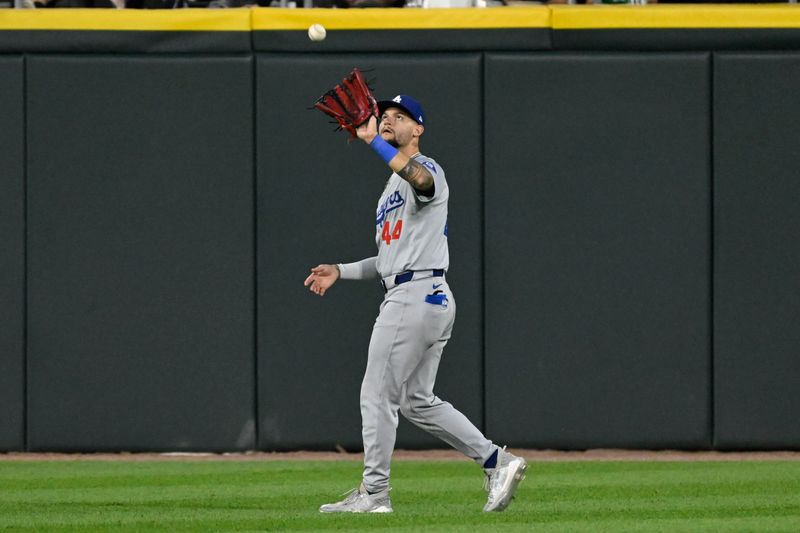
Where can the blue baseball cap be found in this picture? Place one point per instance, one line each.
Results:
(407, 104)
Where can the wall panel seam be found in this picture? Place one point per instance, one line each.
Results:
(484, 423)
(25, 252)
(711, 257)
(254, 176)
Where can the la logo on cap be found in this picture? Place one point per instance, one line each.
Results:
(397, 99)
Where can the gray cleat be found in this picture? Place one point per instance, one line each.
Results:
(503, 480)
(360, 501)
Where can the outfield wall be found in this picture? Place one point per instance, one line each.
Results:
(623, 203)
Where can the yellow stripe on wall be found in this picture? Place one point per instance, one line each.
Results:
(561, 17)
(665, 16)
(402, 18)
(126, 19)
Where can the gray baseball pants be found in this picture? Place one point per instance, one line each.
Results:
(404, 352)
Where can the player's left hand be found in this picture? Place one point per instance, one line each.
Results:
(321, 278)
(368, 130)
(349, 103)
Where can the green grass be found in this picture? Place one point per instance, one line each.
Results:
(429, 496)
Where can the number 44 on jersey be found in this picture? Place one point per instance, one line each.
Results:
(387, 235)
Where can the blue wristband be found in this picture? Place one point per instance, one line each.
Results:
(383, 149)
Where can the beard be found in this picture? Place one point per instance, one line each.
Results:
(392, 140)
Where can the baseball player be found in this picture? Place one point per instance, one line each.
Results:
(415, 320)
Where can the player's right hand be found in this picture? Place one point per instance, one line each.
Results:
(321, 278)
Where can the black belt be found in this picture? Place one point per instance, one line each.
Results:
(408, 275)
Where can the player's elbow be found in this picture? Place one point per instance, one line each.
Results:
(424, 182)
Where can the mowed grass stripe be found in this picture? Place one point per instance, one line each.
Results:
(430, 496)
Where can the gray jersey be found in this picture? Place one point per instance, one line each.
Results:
(411, 229)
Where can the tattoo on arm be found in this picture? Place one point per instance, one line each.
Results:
(418, 176)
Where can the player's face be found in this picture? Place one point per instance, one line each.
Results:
(398, 128)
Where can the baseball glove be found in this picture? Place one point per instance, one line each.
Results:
(351, 102)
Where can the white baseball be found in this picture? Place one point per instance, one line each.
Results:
(317, 32)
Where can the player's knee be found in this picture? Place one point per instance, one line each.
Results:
(369, 397)
(413, 407)
(406, 409)
(374, 399)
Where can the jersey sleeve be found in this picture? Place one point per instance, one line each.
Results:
(439, 182)
(364, 269)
